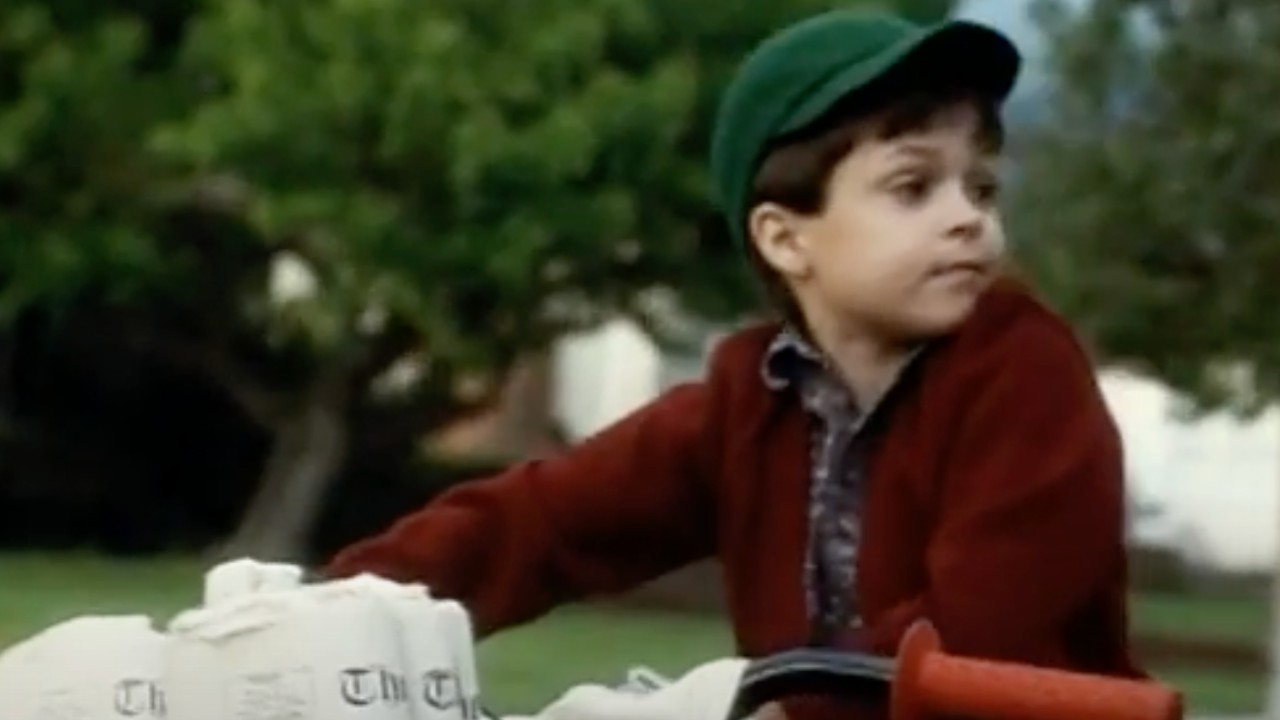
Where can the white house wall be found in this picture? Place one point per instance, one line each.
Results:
(603, 375)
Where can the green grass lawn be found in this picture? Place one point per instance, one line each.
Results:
(524, 668)
(1241, 619)
(1233, 619)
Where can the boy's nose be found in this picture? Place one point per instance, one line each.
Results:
(965, 218)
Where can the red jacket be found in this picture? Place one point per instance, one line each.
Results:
(994, 506)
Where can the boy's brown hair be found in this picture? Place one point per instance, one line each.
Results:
(796, 169)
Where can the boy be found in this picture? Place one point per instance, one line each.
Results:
(918, 438)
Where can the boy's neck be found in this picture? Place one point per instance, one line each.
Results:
(866, 363)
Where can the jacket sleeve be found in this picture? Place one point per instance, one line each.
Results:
(620, 508)
(1031, 515)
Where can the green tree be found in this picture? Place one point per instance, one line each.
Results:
(1148, 205)
(454, 184)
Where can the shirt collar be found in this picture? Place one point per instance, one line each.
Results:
(790, 354)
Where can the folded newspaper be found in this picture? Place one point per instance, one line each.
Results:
(703, 693)
(264, 643)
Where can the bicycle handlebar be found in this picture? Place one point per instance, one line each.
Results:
(924, 682)
(930, 682)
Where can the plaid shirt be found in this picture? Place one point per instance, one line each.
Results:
(837, 450)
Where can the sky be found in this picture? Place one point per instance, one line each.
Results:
(1013, 19)
(1009, 16)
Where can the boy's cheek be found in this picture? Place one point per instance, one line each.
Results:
(996, 236)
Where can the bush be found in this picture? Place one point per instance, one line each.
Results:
(103, 448)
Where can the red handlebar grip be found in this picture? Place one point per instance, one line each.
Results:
(930, 683)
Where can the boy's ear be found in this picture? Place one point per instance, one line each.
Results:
(774, 230)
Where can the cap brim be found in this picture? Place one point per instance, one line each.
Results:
(964, 53)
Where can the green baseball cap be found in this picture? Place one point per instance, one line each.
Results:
(795, 76)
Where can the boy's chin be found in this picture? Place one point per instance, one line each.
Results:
(939, 318)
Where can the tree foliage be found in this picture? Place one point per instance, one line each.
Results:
(444, 186)
(1148, 202)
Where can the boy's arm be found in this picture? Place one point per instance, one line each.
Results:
(620, 508)
(1031, 521)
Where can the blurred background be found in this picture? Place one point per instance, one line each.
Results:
(274, 272)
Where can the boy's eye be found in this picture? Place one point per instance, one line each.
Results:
(984, 189)
(911, 189)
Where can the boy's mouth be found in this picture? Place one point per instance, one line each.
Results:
(965, 270)
(967, 278)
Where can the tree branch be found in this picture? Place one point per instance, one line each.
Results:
(433, 403)
(417, 415)
(203, 355)
(262, 405)
(380, 352)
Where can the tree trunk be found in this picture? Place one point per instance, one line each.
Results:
(308, 451)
